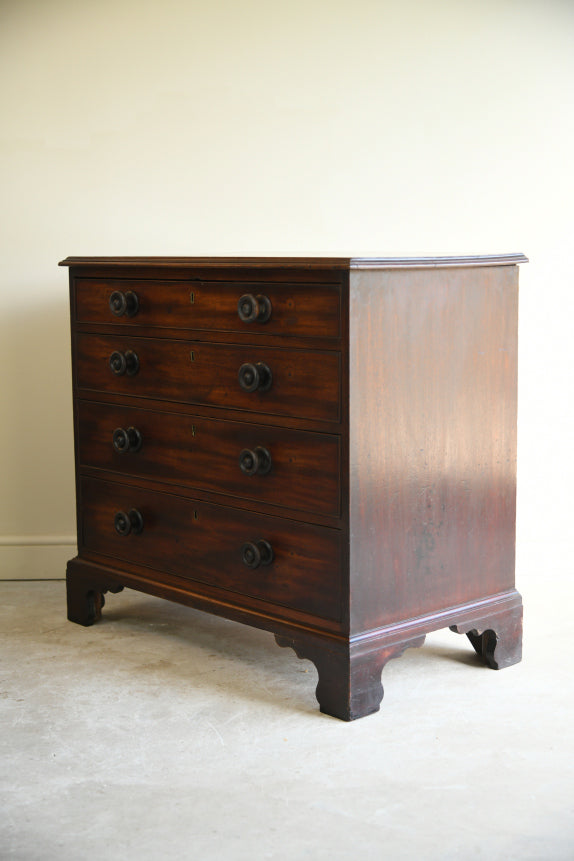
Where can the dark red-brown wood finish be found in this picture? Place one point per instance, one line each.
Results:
(302, 474)
(305, 383)
(322, 448)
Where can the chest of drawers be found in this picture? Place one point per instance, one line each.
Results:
(322, 448)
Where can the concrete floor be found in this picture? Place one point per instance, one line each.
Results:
(163, 733)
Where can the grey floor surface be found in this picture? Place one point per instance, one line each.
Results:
(163, 733)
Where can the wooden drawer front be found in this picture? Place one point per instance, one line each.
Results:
(204, 543)
(303, 310)
(205, 453)
(305, 383)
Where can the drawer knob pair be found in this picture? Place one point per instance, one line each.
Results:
(124, 303)
(256, 553)
(126, 440)
(254, 309)
(255, 377)
(124, 363)
(130, 522)
(255, 461)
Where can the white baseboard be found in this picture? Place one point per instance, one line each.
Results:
(35, 557)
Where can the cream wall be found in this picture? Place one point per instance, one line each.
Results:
(377, 128)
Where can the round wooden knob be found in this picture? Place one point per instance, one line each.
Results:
(253, 309)
(256, 553)
(130, 522)
(124, 363)
(255, 461)
(132, 363)
(255, 377)
(124, 303)
(118, 363)
(126, 440)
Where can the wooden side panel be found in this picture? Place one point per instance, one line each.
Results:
(433, 361)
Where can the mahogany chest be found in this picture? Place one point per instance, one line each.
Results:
(322, 448)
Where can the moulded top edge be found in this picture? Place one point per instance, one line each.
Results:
(437, 262)
(219, 262)
(302, 262)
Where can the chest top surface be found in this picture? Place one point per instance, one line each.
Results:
(302, 263)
